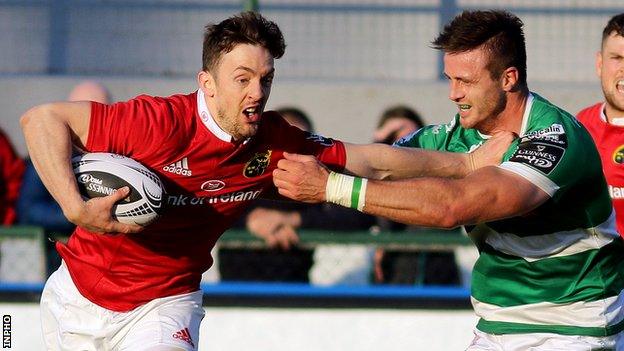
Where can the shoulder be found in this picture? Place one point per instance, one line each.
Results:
(161, 105)
(273, 124)
(549, 119)
(172, 113)
(276, 131)
(430, 134)
(554, 137)
(589, 113)
(273, 118)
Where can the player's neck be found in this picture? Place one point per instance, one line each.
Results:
(613, 115)
(510, 119)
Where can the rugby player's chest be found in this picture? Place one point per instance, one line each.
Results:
(611, 149)
(219, 176)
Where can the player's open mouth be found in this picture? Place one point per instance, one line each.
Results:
(252, 113)
(620, 85)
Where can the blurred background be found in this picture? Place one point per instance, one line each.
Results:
(347, 61)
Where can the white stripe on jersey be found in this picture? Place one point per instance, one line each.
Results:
(599, 314)
(564, 243)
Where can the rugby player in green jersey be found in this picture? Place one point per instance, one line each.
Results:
(549, 275)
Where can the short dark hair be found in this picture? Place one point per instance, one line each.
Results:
(615, 24)
(400, 111)
(499, 32)
(245, 28)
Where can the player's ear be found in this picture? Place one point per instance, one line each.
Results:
(510, 78)
(206, 83)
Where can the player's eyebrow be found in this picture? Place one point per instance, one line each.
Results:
(252, 71)
(245, 68)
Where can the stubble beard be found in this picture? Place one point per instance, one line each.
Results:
(228, 125)
(613, 103)
(496, 107)
(235, 128)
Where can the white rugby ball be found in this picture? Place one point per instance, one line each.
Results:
(99, 174)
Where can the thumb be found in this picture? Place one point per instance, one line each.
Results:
(119, 194)
(297, 157)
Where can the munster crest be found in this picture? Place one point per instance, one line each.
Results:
(258, 164)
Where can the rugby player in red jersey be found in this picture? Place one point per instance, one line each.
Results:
(605, 120)
(124, 287)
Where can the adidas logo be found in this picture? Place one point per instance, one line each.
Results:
(184, 335)
(180, 167)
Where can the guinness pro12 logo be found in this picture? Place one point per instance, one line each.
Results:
(258, 164)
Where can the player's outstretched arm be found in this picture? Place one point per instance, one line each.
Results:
(487, 194)
(50, 131)
(379, 161)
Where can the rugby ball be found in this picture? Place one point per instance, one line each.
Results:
(100, 174)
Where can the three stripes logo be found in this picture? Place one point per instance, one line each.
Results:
(184, 335)
(180, 167)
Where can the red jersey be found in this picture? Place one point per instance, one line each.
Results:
(209, 181)
(609, 141)
(11, 171)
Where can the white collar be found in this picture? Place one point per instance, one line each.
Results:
(208, 120)
(527, 112)
(618, 122)
(525, 118)
(603, 116)
(483, 136)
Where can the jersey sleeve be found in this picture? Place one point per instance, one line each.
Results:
(136, 128)
(329, 151)
(553, 158)
(432, 137)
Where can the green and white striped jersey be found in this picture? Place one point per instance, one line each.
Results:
(558, 269)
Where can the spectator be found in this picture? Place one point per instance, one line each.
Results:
(402, 267)
(395, 123)
(90, 91)
(605, 120)
(11, 171)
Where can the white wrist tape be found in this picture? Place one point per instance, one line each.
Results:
(346, 190)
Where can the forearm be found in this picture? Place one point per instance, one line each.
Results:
(379, 161)
(49, 143)
(485, 195)
(429, 202)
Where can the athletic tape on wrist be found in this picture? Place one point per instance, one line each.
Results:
(346, 190)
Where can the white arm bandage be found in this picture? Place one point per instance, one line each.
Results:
(346, 190)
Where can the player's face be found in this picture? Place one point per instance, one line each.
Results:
(242, 86)
(479, 98)
(610, 69)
